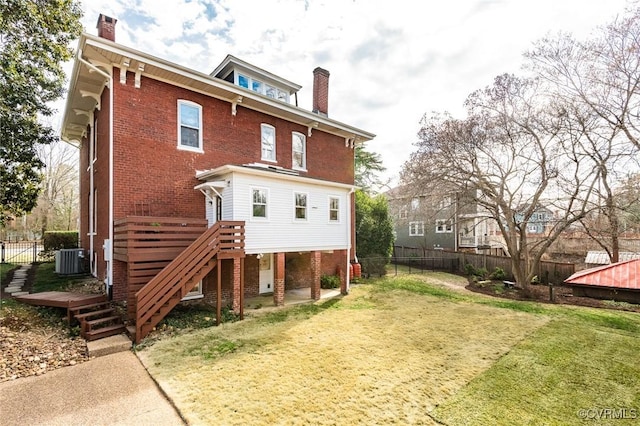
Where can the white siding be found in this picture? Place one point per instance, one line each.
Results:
(280, 232)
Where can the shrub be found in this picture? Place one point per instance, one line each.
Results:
(469, 269)
(498, 274)
(375, 265)
(482, 273)
(56, 240)
(329, 281)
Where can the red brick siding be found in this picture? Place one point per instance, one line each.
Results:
(298, 270)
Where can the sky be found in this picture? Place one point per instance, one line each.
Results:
(390, 61)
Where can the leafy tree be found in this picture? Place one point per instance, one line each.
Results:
(34, 41)
(367, 167)
(374, 230)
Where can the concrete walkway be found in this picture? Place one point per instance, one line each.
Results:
(14, 287)
(110, 390)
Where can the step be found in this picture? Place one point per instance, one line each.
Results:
(90, 314)
(19, 293)
(88, 326)
(131, 332)
(108, 345)
(76, 309)
(13, 289)
(100, 333)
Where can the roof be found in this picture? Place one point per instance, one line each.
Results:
(97, 56)
(230, 62)
(602, 258)
(624, 275)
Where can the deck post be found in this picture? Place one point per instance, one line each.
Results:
(278, 282)
(316, 266)
(219, 293)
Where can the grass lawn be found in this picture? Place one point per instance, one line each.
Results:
(404, 351)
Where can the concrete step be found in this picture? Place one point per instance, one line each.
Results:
(108, 345)
(13, 289)
(20, 293)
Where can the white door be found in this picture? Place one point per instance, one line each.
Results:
(266, 273)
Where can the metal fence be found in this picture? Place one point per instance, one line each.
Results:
(20, 252)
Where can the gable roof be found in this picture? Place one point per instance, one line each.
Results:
(97, 56)
(624, 275)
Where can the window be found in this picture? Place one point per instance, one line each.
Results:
(443, 226)
(259, 203)
(444, 202)
(268, 142)
(195, 293)
(298, 156)
(300, 200)
(334, 209)
(416, 229)
(404, 212)
(189, 126)
(262, 88)
(415, 204)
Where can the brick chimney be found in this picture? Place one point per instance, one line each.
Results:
(106, 27)
(321, 91)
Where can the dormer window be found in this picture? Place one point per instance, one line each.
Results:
(263, 88)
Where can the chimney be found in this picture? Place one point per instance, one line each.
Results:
(321, 91)
(106, 27)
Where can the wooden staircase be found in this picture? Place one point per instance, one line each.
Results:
(97, 320)
(224, 240)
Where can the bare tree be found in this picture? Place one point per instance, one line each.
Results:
(598, 80)
(515, 151)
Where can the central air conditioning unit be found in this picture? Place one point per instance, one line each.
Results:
(69, 261)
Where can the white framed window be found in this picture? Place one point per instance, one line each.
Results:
(268, 142)
(532, 228)
(415, 204)
(195, 293)
(404, 212)
(443, 226)
(334, 209)
(189, 126)
(444, 202)
(300, 202)
(259, 206)
(299, 151)
(260, 87)
(416, 229)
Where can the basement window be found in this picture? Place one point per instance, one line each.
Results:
(195, 293)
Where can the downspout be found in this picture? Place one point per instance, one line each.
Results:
(109, 248)
(349, 234)
(92, 225)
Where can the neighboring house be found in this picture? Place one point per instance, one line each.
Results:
(618, 281)
(539, 221)
(597, 258)
(443, 221)
(167, 153)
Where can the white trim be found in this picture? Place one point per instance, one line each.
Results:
(419, 225)
(188, 103)
(266, 206)
(206, 174)
(295, 206)
(304, 152)
(329, 220)
(263, 128)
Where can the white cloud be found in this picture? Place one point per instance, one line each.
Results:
(390, 61)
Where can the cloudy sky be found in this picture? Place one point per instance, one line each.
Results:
(390, 61)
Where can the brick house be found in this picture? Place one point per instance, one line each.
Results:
(205, 186)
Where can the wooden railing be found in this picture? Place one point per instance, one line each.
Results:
(147, 244)
(156, 299)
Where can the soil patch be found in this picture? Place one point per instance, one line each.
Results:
(540, 293)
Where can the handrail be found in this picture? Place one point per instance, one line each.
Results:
(178, 275)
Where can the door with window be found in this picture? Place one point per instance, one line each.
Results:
(266, 273)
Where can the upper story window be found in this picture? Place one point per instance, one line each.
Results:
(415, 203)
(300, 200)
(334, 209)
(268, 142)
(404, 212)
(416, 229)
(259, 203)
(262, 88)
(299, 148)
(443, 226)
(189, 126)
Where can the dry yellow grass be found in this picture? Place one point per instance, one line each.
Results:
(372, 358)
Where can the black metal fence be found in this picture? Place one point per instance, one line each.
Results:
(20, 252)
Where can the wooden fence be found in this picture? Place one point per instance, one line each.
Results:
(554, 272)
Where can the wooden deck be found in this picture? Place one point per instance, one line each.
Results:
(61, 299)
